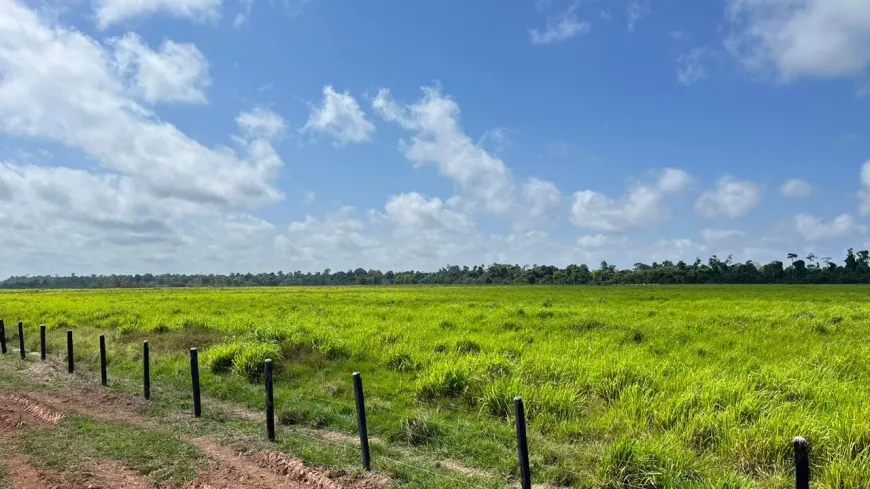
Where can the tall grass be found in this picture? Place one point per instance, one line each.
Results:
(624, 387)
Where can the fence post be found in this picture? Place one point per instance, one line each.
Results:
(42, 341)
(21, 338)
(194, 375)
(801, 463)
(522, 444)
(270, 400)
(2, 337)
(146, 370)
(103, 377)
(361, 421)
(70, 359)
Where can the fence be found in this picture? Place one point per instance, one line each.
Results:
(801, 447)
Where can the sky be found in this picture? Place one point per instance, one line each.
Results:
(217, 136)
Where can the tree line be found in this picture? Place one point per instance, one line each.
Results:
(809, 270)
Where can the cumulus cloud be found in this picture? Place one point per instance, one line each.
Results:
(261, 122)
(792, 39)
(152, 195)
(176, 73)
(641, 206)
(601, 241)
(797, 188)
(731, 199)
(412, 212)
(560, 28)
(483, 180)
(340, 116)
(542, 198)
(114, 11)
(812, 228)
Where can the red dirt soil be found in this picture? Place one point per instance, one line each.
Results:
(228, 470)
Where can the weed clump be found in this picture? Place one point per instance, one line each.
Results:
(443, 381)
(244, 359)
(418, 430)
(467, 347)
(630, 464)
(401, 361)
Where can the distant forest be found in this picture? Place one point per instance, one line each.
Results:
(809, 270)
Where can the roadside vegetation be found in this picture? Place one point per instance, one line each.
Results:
(648, 387)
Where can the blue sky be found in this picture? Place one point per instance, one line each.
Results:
(256, 135)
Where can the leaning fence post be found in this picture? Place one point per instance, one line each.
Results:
(146, 370)
(103, 377)
(2, 337)
(70, 359)
(194, 375)
(361, 421)
(42, 341)
(522, 444)
(21, 338)
(801, 463)
(270, 400)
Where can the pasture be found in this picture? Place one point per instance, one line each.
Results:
(625, 387)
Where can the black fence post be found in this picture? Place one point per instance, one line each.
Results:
(361, 421)
(2, 337)
(103, 377)
(801, 463)
(194, 375)
(270, 400)
(146, 370)
(70, 358)
(21, 338)
(42, 341)
(522, 444)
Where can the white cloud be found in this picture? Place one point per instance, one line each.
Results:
(177, 73)
(720, 235)
(340, 116)
(864, 193)
(690, 66)
(793, 39)
(242, 17)
(261, 122)
(815, 229)
(338, 237)
(412, 212)
(637, 10)
(797, 188)
(601, 241)
(642, 206)
(43, 65)
(484, 182)
(155, 197)
(673, 180)
(113, 11)
(541, 197)
(732, 198)
(560, 28)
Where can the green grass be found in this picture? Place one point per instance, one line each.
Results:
(648, 387)
(5, 482)
(77, 440)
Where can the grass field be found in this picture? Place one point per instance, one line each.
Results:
(629, 387)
